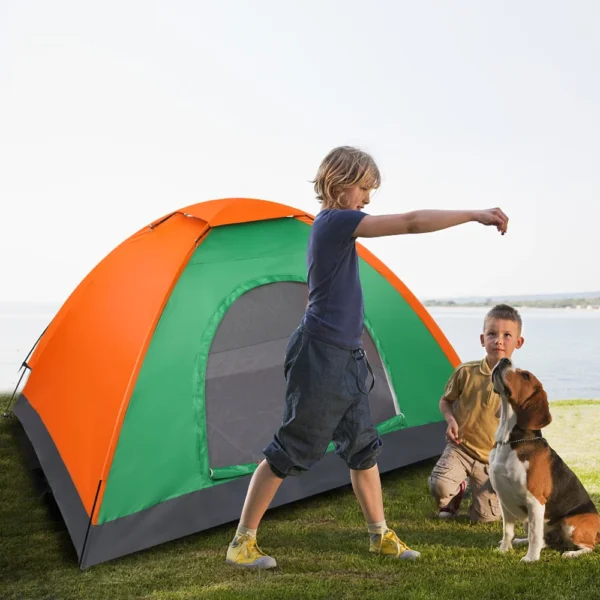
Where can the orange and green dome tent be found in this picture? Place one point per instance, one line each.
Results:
(154, 389)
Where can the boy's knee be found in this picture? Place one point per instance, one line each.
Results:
(367, 457)
(275, 470)
(441, 489)
(284, 462)
(435, 487)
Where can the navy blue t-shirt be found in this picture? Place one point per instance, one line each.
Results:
(335, 311)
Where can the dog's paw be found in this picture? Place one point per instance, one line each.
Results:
(520, 542)
(504, 547)
(575, 553)
(528, 559)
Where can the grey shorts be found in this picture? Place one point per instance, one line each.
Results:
(326, 399)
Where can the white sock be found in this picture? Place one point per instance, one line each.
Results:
(245, 531)
(378, 528)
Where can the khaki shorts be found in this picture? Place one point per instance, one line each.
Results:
(453, 467)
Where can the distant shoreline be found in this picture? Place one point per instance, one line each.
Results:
(591, 304)
(565, 300)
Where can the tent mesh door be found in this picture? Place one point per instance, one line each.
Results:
(245, 387)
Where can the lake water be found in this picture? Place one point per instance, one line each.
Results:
(562, 347)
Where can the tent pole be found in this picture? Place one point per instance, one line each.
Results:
(23, 366)
(89, 524)
(6, 413)
(161, 221)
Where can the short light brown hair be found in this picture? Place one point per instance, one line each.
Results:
(504, 312)
(342, 168)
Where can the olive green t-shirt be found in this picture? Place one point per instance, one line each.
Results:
(475, 404)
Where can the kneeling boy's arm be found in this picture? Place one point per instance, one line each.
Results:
(425, 221)
(446, 408)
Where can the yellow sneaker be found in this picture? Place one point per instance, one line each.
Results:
(389, 544)
(244, 552)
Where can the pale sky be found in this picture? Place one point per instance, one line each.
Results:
(114, 113)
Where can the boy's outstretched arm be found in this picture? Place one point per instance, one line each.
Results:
(425, 221)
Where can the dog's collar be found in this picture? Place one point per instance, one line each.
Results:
(535, 439)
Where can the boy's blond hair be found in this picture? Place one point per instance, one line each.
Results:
(505, 313)
(342, 168)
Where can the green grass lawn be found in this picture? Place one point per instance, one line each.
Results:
(320, 544)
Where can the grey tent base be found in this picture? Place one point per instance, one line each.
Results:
(205, 508)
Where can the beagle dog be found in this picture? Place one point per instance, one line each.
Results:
(533, 484)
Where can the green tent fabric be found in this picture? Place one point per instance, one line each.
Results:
(232, 261)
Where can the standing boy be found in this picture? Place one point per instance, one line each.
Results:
(325, 365)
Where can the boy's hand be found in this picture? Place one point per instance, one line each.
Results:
(493, 216)
(452, 432)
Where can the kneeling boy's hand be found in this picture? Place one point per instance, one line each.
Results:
(452, 432)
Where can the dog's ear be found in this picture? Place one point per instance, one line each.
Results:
(534, 412)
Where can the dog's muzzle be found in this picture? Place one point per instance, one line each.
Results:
(497, 379)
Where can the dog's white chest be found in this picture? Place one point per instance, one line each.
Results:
(509, 479)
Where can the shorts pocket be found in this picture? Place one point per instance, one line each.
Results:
(494, 506)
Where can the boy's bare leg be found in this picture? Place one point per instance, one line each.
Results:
(367, 487)
(243, 550)
(261, 491)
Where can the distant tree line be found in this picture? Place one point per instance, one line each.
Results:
(541, 303)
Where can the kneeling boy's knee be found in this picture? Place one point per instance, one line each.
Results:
(440, 488)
